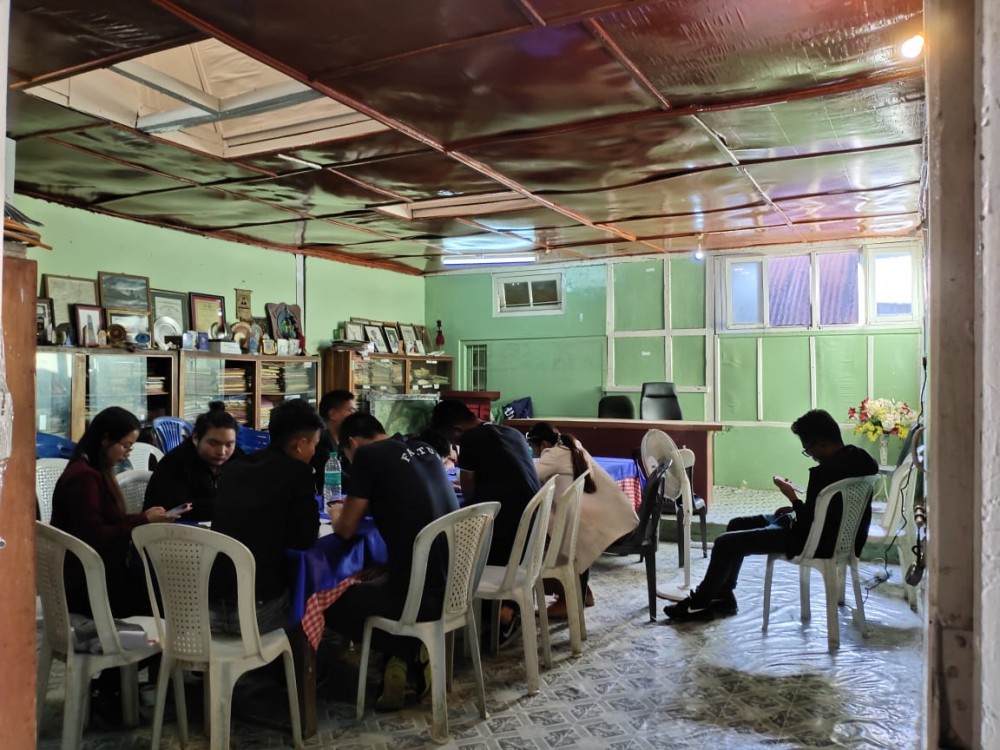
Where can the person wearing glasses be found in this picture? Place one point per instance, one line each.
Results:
(87, 503)
(785, 530)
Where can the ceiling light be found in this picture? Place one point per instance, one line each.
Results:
(486, 260)
(699, 254)
(912, 47)
(458, 206)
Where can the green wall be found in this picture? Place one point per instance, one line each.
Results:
(85, 243)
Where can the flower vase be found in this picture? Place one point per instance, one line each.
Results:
(883, 450)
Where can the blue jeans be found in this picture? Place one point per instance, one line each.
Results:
(746, 535)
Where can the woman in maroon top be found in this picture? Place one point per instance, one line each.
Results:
(88, 504)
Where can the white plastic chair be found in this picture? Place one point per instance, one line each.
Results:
(51, 546)
(516, 580)
(182, 558)
(140, 455)
(47, 473)
(898, 518)
(560, 563)
(468, 531)
(856, 493)
(133, 485)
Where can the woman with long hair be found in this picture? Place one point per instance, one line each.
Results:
(87, 503)
(605, 512)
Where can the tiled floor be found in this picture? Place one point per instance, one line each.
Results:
(718, 685)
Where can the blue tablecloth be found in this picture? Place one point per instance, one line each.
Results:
(619, 468)
(331, 560)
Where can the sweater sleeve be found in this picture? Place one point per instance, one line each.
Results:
(84, 502)
(303, 515)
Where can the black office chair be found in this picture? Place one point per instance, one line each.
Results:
(616, 407)
(646, 536)
(659, 401)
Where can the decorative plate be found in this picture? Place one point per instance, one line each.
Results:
(241, 332)
(165, 326)
(116, 334)
(217, 332)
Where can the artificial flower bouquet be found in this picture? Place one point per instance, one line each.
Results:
(881, 417)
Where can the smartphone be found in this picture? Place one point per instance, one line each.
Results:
(182, 508)
(790, 483)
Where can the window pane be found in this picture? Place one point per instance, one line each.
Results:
(515, 294)
(746, 301)
(788, 302)
(838, 288)
(893, 284)
(545, 292)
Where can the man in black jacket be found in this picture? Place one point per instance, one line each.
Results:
(190, 473)
(268, 502)
(334, 408)
(786, 530)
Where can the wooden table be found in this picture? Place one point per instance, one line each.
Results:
(622, 437)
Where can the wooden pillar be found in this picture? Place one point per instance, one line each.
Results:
(17, 512)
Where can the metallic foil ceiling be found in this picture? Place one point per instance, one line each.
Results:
(626, 127)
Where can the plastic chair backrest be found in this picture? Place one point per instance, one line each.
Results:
(51, 546)
(468, 532)
(250, 440)
(47, 473)
(856, 493)
(529, 542)
(171, 431)
(141, 455)
(133, 485)
(615, 407)
(566, 524)
(182, 557)
(659, 401)
(53, 446)
(902, 489)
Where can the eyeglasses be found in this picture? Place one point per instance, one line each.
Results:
(126, 445)
(806, 453)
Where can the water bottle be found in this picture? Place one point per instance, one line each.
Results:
(331, 479)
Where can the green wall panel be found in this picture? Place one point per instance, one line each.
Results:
(897, 368)
(639, 360)
(687, 293)
(692, 406)
(639, 296)
(688, 353)
(738, 378)
(786, 393)
(556, 373)
(841, 373)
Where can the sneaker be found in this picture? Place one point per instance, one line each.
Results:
(725, 605)
(689, 611)
(510, 629)
(393, 685)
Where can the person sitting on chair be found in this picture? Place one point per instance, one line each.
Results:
(787, 529)
(334, 408)
(190, 473)
(605, 512)
(267, 501)
(405, 487)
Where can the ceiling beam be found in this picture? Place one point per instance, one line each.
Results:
(166, 84)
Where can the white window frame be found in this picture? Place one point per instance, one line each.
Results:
(500, 311)
(866, 292)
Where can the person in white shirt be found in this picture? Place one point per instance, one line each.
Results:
(605, 512)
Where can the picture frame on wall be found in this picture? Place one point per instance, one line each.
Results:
(43, 318)
(374, 334)
(66, 291)
(391, 338)
(354, 332)
(207, 310)
(173, 305)
(87, 321)
(133, 322)
(122, 291)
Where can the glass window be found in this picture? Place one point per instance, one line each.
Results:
(745, 305)
(893, 285)
(839, 284)
(516, 294)
(544, 292)
(528, 294)
(477, 367)
(788, 293)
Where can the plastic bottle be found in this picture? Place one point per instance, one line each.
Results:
(331, 479)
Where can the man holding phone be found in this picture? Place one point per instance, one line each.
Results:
(787, 529)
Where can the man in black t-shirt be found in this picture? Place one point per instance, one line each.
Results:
(787, 529)
(404, 487)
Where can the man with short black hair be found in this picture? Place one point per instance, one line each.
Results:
(786, 530)
(268, 502)
(334, 408)
(404, 487)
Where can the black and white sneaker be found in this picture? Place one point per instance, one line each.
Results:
(725, 605)
(689, 611)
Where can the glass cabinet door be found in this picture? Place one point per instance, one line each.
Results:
(208, 379)
(383, 375)
(283, 379)
(53, 392)
(116, 380)
(430, 375)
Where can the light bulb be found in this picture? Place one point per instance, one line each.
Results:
(699, 254)
(912, 47)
